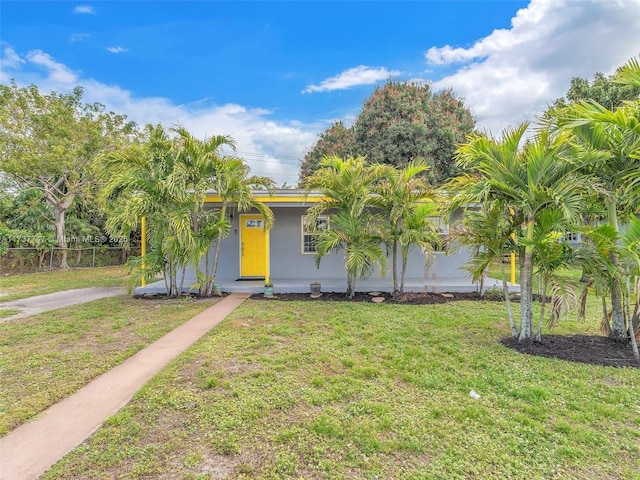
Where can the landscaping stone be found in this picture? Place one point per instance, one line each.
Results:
(377, 299)
(374, 294)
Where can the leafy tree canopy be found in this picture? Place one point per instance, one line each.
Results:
(51, 143)
(602, 89)
(400, 123)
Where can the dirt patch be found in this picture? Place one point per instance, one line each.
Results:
(594, 350)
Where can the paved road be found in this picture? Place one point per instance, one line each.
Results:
(52, 301)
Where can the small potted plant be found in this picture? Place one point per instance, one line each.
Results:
(315, 288)
(268, 289)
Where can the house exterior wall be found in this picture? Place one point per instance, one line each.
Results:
(288, 261)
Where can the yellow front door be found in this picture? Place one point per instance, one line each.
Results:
(253, 246)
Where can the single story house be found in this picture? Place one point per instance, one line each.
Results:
(285, 255)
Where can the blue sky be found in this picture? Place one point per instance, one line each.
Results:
(273, 75)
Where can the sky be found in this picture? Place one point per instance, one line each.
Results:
(274, 75)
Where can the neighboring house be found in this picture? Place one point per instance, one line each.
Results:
(285, 255)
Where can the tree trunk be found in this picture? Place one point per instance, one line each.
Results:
(60, 236)
(526, 292)
(507, 299)
(618, 330)
(351, 285)
(211, 279)
(402, 274)
(543, 302)
(394, 270)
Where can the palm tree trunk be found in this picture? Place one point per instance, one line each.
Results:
(394, 269)
(211, 279)
(404, 270)
(618, 330)
(543, 302)
(184, 270)
(526, 291)
(507, 299)
(351, 285)
(606, 326)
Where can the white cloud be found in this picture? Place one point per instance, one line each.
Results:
(352, 77)
(84, 9)
(271, 148)
(57, 72)
(117, 49)
(9, 58)
(78, 37)
(513, 74)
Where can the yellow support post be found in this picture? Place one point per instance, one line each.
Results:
(267, 275)
(513, 268)
(143, 241)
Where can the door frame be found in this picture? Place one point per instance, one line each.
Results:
(267, 250)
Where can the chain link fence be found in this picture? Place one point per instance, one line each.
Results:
(30, 260)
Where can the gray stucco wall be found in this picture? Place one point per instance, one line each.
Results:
(288, 261)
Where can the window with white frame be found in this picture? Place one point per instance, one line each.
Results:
(310, 232)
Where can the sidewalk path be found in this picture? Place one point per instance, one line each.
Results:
(32, 448)
(52, 301)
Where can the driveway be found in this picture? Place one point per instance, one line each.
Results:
(52, 301)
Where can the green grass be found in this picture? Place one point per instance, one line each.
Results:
(46, 357)
(15, 287)
(336, 390)
(7, 312)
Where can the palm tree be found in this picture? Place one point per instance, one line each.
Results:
(398, 193)
(615, 135)
(347, 187)
(489, 233)
(418, 228)
(198, 165)
(527, 181)
(233, 184)
(141, 181)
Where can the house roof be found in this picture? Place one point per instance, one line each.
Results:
(281, 198)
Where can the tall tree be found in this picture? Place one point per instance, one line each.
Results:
(50, 142)
(144, 181)
(605, 91)
(615, 134)
(401, 122)
(233, 184)
(336, 140)
(406, 199)
(199, 165)
(527, 181)
(347, 186)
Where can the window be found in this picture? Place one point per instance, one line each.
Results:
(572, 237)
(310, 234)
(254, 223)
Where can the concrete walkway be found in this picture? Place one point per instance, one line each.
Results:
(32, 448)
(52, 301)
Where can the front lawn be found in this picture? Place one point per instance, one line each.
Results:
(47, 357)
(339, 390)
(15, 287)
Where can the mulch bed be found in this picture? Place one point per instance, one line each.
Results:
(404, 299)
(594, 350)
